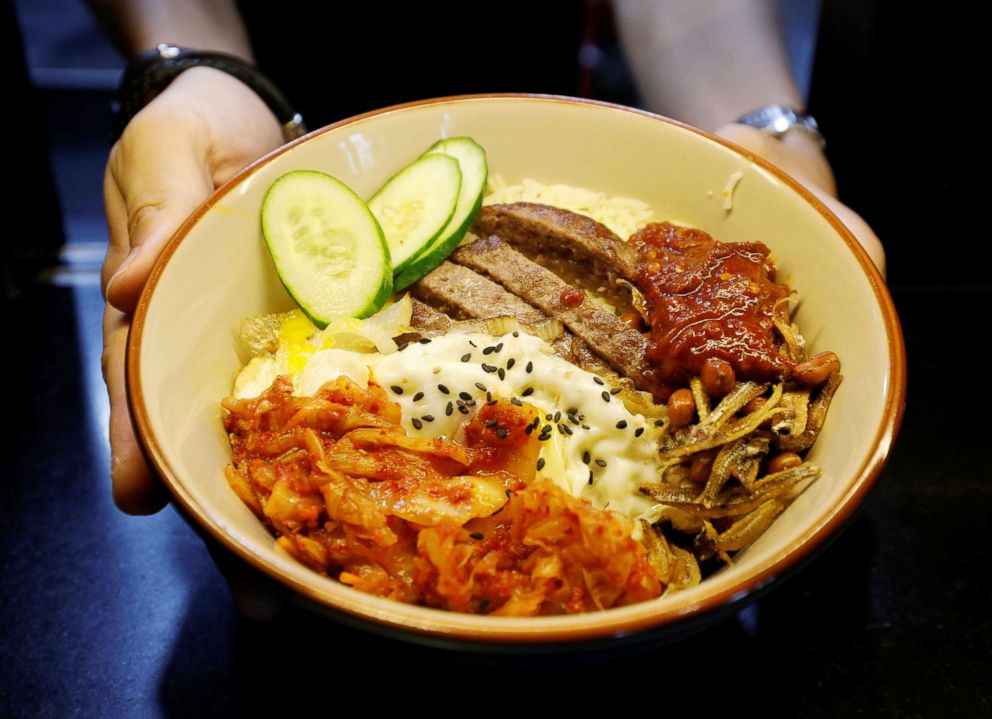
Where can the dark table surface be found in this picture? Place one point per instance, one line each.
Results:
(105, 615)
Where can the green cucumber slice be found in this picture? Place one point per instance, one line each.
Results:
(471, 159)
(327, 247)
(415, 206)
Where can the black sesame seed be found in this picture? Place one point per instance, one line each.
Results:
(528, 429)
(557, 416)
(417, 397)
(490, 403)
(514, 400)
(543, 437)
(488, 367)
(568, 430)
(510, 362)
(425, 340)
(489, 396)
(501, 372)
(465, 396)
(402, 346)
(638, 432)
(601, 462)
(622, 424)
(586, 426)
(515, 333)
(442, 389)
(449, 409)
(572, 410)
(428, 418)
(605, 396)
(477, 535)
(498, 347)
(463, 409)
(561, 428)
(659, 423)
(586, 458)
(491, 423)
(397, 389)
(417, 424)
(470, 403)
(481, 386)
(590, 477)
(488, 350)
(573, 419)
(530, 367)
(466, 357)
(597, 380)
(615, 390)
(548, 416)
(501, 432)
(540, 464)
(528, 392)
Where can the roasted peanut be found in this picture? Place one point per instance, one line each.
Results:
(784, 461)
(702, 464)
(681, 407)
(754, 405)
(817, 369)
(633, 319)
(717, 377)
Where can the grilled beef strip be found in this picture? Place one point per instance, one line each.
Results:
(620, 345)
(578, 249)
(461, 293)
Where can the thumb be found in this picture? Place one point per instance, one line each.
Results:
(157, 176)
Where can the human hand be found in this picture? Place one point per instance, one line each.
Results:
(801, 157)
(193, 137)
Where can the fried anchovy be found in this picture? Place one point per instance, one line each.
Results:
(817, 416)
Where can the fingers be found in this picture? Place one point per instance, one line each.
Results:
(157, 175)
(255, 595)
(136, 489)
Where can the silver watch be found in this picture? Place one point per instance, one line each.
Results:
(776, 120)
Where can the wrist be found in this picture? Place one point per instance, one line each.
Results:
(149, 74)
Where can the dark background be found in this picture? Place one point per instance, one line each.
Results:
(107, 615)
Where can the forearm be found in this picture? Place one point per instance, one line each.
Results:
(138, 25)
(706, 62)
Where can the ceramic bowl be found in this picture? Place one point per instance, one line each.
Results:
(183, 352)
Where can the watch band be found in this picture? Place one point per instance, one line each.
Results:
(776, 120)
(152, 71)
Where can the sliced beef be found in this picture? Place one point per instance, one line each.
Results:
(463, 294)
(429, 319)
(617, 343)
(578, 249)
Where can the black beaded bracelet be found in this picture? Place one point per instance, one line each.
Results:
(152, 71)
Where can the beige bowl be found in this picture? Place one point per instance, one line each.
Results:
(183, 353)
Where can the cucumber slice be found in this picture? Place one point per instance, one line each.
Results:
(471, 159)
(327, 247)
(415, 206)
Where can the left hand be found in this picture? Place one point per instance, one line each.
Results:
(800, 156)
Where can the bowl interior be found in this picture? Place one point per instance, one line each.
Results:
(185, 354)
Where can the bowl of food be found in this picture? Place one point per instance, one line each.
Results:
(516, 370)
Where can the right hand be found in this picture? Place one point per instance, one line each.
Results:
(202, 129)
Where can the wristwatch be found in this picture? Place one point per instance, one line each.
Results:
(776, 120)
(152, 71)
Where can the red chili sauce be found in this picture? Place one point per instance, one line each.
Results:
(708, 299)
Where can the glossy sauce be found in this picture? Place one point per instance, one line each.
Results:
(708, 299)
